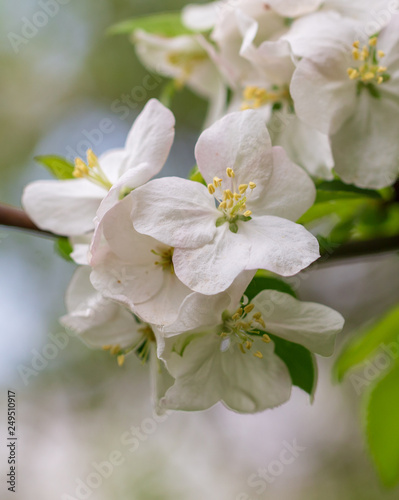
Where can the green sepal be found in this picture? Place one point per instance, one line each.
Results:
(221, 221)
(63, 248)
(196, 176)
(61, 168)
(233, 226)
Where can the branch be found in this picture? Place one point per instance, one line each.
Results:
(17, 218)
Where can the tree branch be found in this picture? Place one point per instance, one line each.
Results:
(17, 218)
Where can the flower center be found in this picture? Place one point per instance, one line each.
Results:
(368, 70)
(232, 204)
(91, 171)
(256, 97)
(142, 347)
(186, 61)
(238, 328)
(165, 259)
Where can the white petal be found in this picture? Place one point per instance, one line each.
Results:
(296, 8)
(150, 139)
(81, 249)
(323, 94)
(201, 17)
(112, 163)
(95, 319)
(239, 141)
(178, 212)
(212, 268)
(289, 192)
(161, 380)
(66, 207)
(307, 147)
(366, 148)
(205, 375)
(279, 245)
(312, 325)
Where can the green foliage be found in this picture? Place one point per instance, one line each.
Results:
(63, 248)
(262, 282)
(382, 426)
(61, 168)
(338, 190)
(167, 24)
(367, 343)
(196, 176)
(300, 363)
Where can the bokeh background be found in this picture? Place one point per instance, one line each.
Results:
(79, 409)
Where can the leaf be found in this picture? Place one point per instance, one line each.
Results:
(260, 283)
(63, 248)
(300, 362)
(343, 208)
(196, 176)
(368, 342)
(61, 168)
(167, 24)
(382, 426)
(339, 189)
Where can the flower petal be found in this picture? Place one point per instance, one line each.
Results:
(66, 207)
(239, 141)
(212, 268)
(279, 245)
(178, 212)
(150, 139)
(289, 192)
(312, 325)
(205, 375)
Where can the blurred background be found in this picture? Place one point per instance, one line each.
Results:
(78, 412)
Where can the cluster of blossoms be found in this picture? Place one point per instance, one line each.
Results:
(324, 74)
(165, 264)
(173, 270)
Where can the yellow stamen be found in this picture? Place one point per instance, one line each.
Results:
(258, 354)
(92, 159)
(211, 189)
(236, 196)
(223, 205)
(249, 308)
(248, 345)
(241, 348)
(242, 188)
(356, 44)
(381, 54)
(120, 360)
(266, 338)
(230, 172)
(248, 213)
(106, 347)
(368, 76)
(115, 349)
(217, 181)
(373, 41)
(257, 315)
(382, 69)
(252, 185)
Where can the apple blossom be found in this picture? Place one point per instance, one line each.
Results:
(138, 271)
(243, 220)
(349, 89)
(103, 324)
(68, 207)
(235, 362)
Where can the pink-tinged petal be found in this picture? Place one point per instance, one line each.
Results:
(323, 94)
(279, 245)
(151, 138)
(366, 149)
(239, 141)
(212, 268)
(312, 325)
(63, 207)
(289, 192)
(175, 211)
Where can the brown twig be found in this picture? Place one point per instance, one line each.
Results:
(17, 218)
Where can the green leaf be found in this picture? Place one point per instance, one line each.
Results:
(336, 189)
(260, 283)
(61, 168)
(343, 208)
(196, 176)
(366, 344)
(167, 24)
(300, 362)
(63, 248)
(382, 426)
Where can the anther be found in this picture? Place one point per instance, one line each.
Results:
(230, 172)
(266, 338)
(258, 354)
(252, 185)
(248, 213)
(242, 188)
(249, 308)
(211, 189)
(120, 360)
